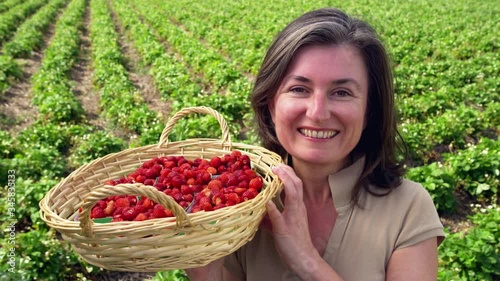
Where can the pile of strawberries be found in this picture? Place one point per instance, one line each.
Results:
(197, 185)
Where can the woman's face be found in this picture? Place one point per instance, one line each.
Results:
(320, 108)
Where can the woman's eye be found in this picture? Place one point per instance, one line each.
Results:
(298, 90)
(342, 93)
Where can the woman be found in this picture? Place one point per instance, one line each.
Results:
(324, 100)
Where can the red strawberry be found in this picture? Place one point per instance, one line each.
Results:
(232, 197)
(240, 190)
(212, 170)
(219, 206)
(256, 183)
(232, 180)
(97, 213)
(149, 182)
(140, 179)
(206, 206)
(245, 159)
(215, 184)
(141, 217)
(188, 197)
(215, 162)
(250, 173)
(186, 189)
(249, 194)
(122, 202)
(236, 154)
(129, 213)
(218, 199)
(158, 211)
(147, 203)
(184, 204)
(102, 203)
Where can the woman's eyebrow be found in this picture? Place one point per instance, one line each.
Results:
(347, 81)
(336, 82)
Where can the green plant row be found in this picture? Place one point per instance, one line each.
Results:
(10, 71)
(29, 35)
(51, 86)
(445, 85)
(473, 255)
(451, 130)
(170, 74)
(120, 101)
(475, 170)
(9, 4)
(241, 21)
(10, 20)
(205, 61)
(233, 104)
(41, 155)
(27, 38)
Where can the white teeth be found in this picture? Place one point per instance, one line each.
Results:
(318, 134)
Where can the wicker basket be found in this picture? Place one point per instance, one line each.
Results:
(185, 241)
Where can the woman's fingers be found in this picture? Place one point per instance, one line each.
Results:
(292, 184)
(278, 223)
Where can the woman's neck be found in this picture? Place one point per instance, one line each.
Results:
(315, 179)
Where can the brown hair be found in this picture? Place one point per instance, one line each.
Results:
(378, 142)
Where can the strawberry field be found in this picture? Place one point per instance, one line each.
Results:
(80, 79)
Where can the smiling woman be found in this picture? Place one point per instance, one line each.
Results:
(324, 101)
(319, 109)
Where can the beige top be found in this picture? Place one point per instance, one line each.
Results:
(362, 240)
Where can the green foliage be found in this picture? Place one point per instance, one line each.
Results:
(92, 146)
(9, 71)
(40, 256)
(477, 168)
(27, 195)
(13, 17)
(473, 254)
(439, 181)
(29, 36)
(171, 275)
(51, 134)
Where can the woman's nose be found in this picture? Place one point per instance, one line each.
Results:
(318, 107)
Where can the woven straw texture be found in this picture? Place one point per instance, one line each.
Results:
(184, 241)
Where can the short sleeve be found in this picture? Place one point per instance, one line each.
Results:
(421, 221)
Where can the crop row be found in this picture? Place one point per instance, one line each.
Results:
(29, 35)
(10, 20)
(51, 86)
(120, 101)
(8, 4)
(232, 104)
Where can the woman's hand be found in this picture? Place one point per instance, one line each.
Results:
(290, 228)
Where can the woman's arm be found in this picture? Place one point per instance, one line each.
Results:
(417, 262)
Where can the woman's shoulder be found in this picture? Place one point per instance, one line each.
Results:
(407, 194)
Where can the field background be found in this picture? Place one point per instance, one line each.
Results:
(80, 79)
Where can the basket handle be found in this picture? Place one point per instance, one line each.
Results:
(181, 217)
(226, 138)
